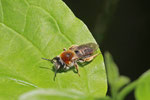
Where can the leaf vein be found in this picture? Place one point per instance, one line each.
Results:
(23, 37)
(25, 22)
(58, 27)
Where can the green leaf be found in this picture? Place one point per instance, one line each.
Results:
(105, 98)
(143, 87)
(126, 90)
(112, 69)
(54, 94)
(32, 29)
(116, 81)
(121, 81)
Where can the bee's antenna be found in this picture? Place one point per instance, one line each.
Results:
(47, 59)
(44, 67)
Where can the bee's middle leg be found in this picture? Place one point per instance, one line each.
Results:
(76, 66)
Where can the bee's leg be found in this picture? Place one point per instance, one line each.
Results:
(76, 66)
(64, 49)
(91, 57)
(67, 68)
(72, 47)
(81, 61)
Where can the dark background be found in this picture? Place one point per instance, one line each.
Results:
(120, 27)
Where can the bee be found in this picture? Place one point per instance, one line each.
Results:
(71, 56)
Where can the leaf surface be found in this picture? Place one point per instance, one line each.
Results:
(50, 94)
(32, 29)
(115, 80)
(143, 87)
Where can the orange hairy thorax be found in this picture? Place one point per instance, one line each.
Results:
(67, 56)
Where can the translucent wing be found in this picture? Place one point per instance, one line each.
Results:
(92, 46)
(84, 50)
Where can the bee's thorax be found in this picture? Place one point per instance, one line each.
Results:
(67, 56)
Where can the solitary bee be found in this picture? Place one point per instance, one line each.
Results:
(76, 53)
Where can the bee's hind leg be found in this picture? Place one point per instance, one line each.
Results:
(88, 59)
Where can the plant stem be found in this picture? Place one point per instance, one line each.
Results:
(125, 91)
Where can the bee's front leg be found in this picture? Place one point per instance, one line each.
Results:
(76, 66)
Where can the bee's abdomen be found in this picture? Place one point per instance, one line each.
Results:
(84, 52)
(88, 51)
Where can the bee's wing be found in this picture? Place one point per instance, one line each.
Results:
(92, 46)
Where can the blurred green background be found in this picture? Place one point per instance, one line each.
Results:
(120, 27)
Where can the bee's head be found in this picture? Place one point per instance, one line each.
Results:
(58, 63)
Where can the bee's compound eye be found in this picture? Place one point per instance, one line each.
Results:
(54, 61)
